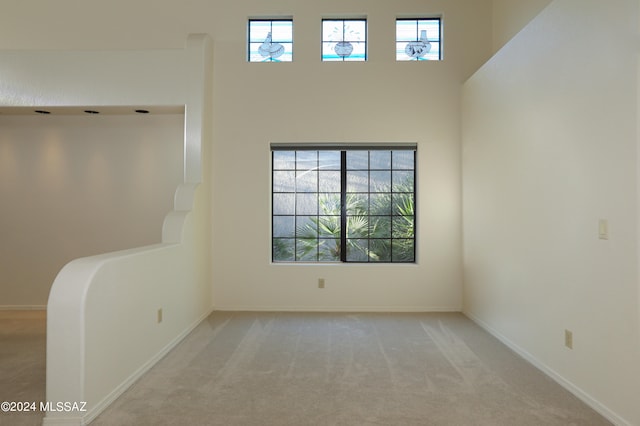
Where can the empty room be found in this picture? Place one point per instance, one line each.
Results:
(412, 212)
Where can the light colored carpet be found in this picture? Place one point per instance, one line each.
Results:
(344, 369)
(22, 364)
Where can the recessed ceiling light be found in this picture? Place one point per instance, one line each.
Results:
(41, 111)
(91, 111)
(142, 111)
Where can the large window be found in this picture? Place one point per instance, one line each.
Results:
(270, 40)
(337, 204)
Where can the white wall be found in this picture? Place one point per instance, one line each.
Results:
(310, 101)
(256, 104)
(550, 147)
(74, 186)
(510, 16)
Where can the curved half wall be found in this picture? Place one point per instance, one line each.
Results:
(111, 317)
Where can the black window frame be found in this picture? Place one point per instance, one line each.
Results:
(346, 242)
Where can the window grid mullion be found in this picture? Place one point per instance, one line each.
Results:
(391, 209)
(343, 206)
(317, 172)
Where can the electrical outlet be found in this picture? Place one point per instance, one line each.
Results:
(320, 282)
(159, 315)
(603, 229)
(568, 339)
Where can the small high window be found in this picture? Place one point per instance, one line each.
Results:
(418, 39)
(334, 203)
(270, 40)
(344, 39)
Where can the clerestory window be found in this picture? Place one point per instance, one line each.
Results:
(418, 39)
(335, 203)
(344, 39)
(270, 40)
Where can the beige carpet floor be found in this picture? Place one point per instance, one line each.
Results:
(344, 369)
(22, 364)
(313, 369)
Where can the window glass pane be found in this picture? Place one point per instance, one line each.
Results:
(307, 181)
(282, 31)
(329, 226)
(307, 204)
(332, 30)
(357, 160)
(307, 249)
(307, 160)
(328, 55)
(381, 204)
(355, 30)
(329, 250)
(306, 226)
(284, 181)
(284, 160)
(284, 204)
(284, 226)
(402, 181)
(403, 204)
(380, 251)
(258, 31)
(270, 40)
(358, 53)
(329, 160)
(380, 226)
(329, 181)
(329, 204)
(357, 204)
(418, 39)
(403, 160)
(432, 27)
(403, 250)
(380, 160)
(380, 181)
(357, 250)
(283, 250)
(406, 30)
(403, 227)
(358, 181)
(358, 226)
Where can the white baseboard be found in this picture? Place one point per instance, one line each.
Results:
(23, 307)
(93, 412)
(336, 309)
(108, 400)
(63, 421)
(575, 390)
